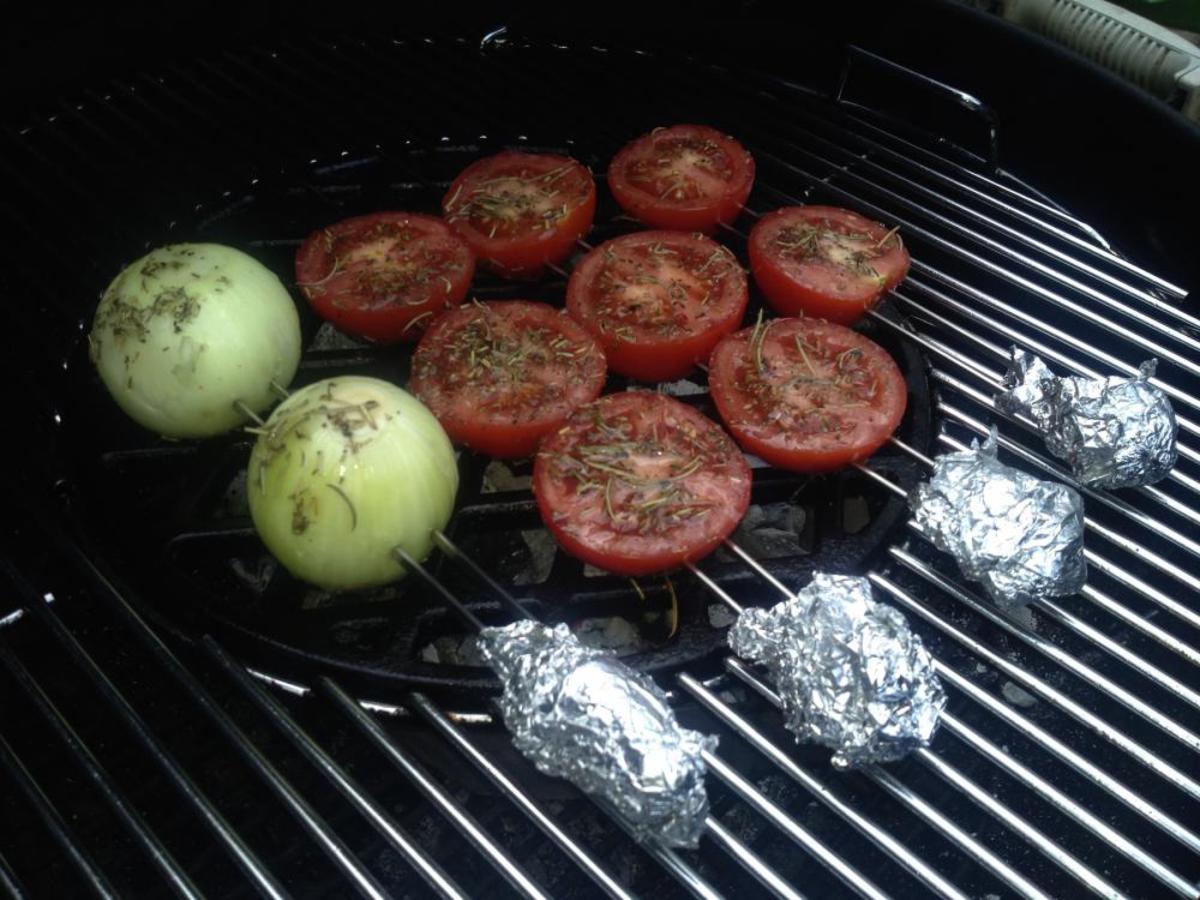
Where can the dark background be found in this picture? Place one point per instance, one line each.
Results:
(1064, 124)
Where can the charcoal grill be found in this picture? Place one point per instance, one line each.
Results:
(177, 716)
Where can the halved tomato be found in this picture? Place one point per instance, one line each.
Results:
(500, 375)
(826, 262)
(658, 301)
(384, 276)
(805, 394)
(637, 483)
(686, 177)
(521, 211)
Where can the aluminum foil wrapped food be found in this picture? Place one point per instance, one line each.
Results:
(581, 714)
(1021, 538)
(851, 673)
(1113, 432)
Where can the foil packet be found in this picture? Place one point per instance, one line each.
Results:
(851, 673)
(1019, 537)
(579, 713)
(1113, 432)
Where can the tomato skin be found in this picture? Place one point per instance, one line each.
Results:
(646, 332)
(796, 285)
(721, 189)
(688, 484)
(463, 370)
(536, 186)
(355, 273)
(795, 415)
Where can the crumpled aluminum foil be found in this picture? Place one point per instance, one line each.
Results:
(1021, 538)
(1113, 432)
(850, 672)
(581, 714)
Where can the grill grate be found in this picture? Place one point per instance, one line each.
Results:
(1065, 761)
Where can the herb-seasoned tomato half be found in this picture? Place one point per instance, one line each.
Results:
(500, 375)
(826, 262)
(383, 277)
(637, 483)
(805, 394)
(521, 211)
(686, 177)
(658, 301)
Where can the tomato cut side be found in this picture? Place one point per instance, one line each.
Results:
(686, 177)
(637, 483)
(500, 375)
(805, 394)
(658, 301)
(826, 262)
(383, 277)
(521, 211)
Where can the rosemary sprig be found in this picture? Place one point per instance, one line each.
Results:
(756, 343)
(353, 512)
(883, 240)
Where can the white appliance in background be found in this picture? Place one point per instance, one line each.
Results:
(1149, 55)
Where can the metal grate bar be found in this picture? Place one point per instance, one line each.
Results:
(429, 870)
(1040, 347)
(1103, 601)
(981, 745)
(981, 262)
(1040, 686)
(1064, 804)
(1098, 597)
(785, 823)
(1123, 613)
(455, 814)
(54, 821)
(308, 818)
(1131, 511)
(666, 857)
(1126, 578)
(1069, 620)
(522, 800)
(792, 829)
(737, 850)
(1014, 822)
(1107, 499)
(912, 801)
(1068, 862)
(750, 861)
(1026, 727)
(981, 239)
(998, 187)
(132, 819)
(874, 148)
(879, 836)
(858, 128)
(262, 878)
(968, 364)
(9, 880)
(1047, 328)
(994, 379)
(1150, 492)
(1096, 244)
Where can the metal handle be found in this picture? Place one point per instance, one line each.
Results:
(956, 96)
